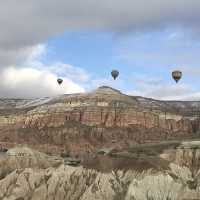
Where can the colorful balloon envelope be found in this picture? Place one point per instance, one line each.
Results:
(177, 75)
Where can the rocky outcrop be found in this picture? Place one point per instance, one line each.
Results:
(80, 184)
(108, 137)
(86, 122)
(23, 157)
(60, 182)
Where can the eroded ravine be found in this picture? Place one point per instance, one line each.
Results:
(28, 174)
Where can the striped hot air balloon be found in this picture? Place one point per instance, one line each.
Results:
(177, 75)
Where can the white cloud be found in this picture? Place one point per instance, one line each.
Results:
(156, 88)
(171, 92)
(28, 23)
(36, 53)
(72, 72)
(30, 82)
(25, 25)
(35, 79)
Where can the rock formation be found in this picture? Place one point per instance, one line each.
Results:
(86, 122)
(41, 177)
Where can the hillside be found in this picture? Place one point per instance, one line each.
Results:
(171, 174)
(83, 123)
(100, 145)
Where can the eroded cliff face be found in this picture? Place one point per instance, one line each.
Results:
(29, 174)
(84, 122)
(67, 183)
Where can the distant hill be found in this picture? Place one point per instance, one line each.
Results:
(88, 121)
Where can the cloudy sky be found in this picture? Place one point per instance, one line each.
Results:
(81, 41)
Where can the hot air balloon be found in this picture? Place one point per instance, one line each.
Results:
(176, 75)
(115, 74)
(59, 80)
